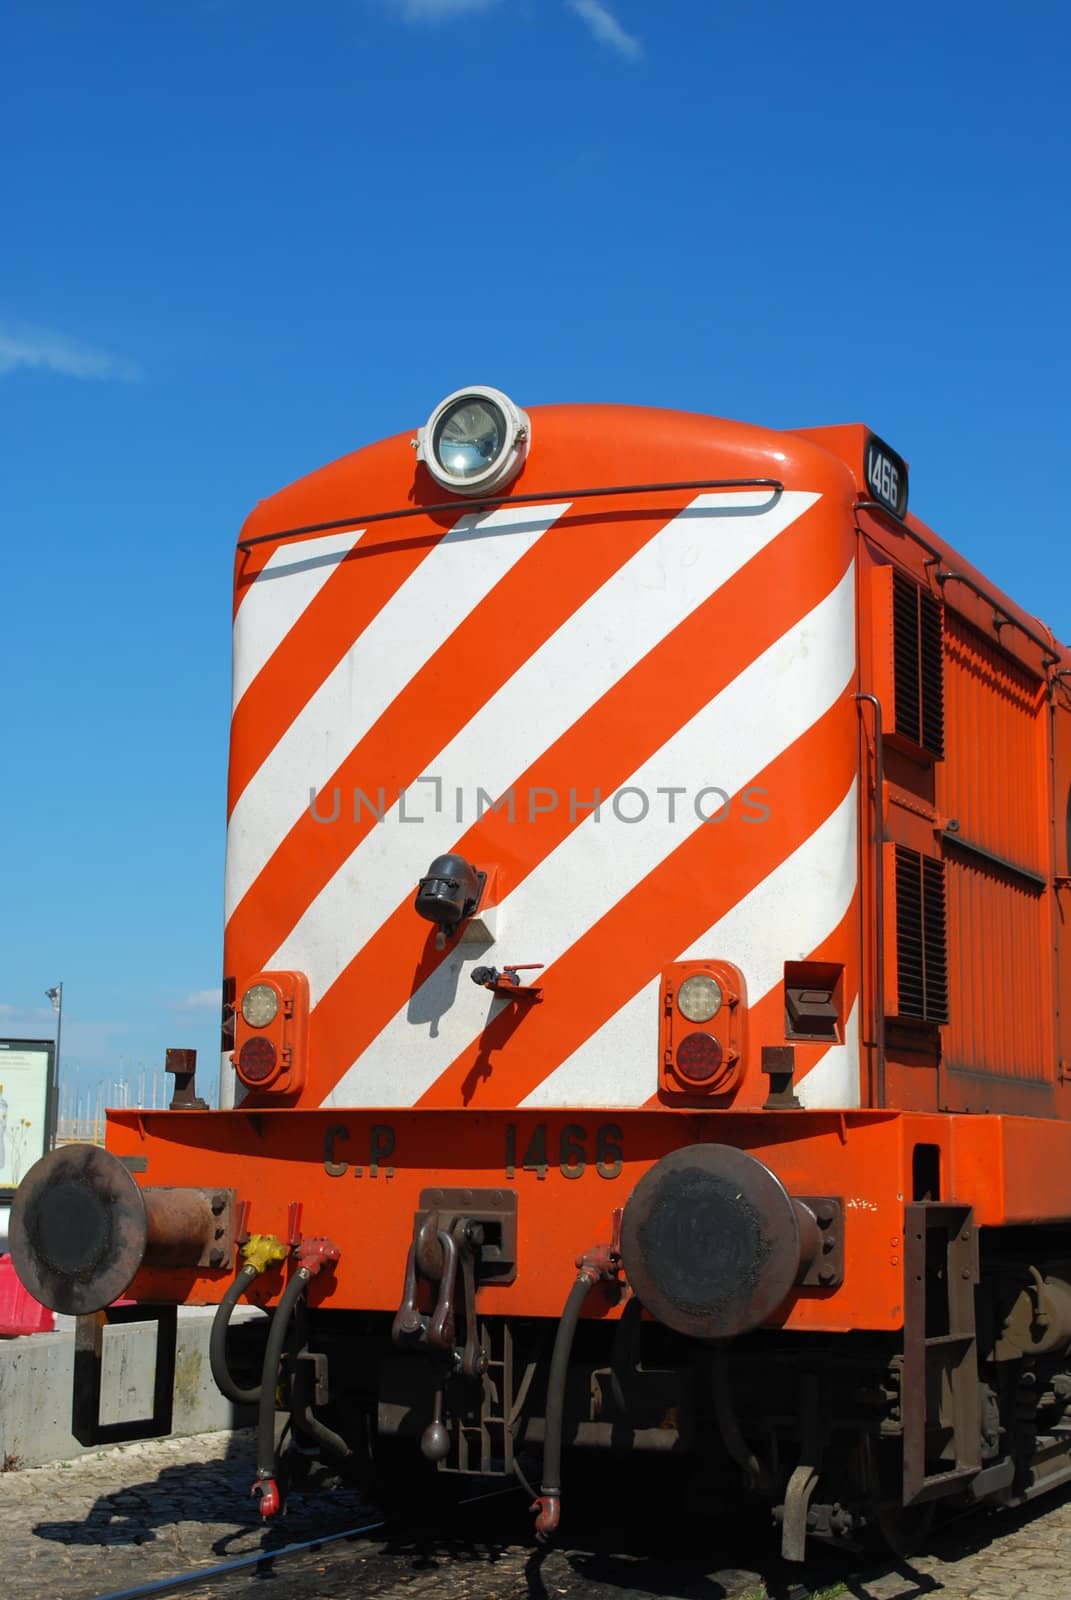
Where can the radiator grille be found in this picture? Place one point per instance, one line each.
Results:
(921, 939)
(918, 662)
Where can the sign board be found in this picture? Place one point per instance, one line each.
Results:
(25, 1108)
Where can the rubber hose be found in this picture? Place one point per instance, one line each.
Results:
(217, 1343)
(736, 1445)
(559, 1367)
(624, 1350)
(269, 1378)
(326, 1437)
(302, 1415)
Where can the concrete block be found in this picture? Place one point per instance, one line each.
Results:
(36, 1374)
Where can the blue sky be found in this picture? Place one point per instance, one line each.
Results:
(238, 239)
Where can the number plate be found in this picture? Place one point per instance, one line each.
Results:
(886, 476)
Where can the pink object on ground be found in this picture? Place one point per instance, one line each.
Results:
(19, 1311)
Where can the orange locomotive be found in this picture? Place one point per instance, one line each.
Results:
(646, 1001)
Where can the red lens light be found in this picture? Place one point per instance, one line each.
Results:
(699, 1057)
(257, 1059)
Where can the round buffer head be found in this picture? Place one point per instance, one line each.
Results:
(78, 1229)
(710, 1241)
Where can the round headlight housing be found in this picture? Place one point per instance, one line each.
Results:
(475, 440)
(260, 1005)
(699, 997)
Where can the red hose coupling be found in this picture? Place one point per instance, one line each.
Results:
(601, 1261)
(268, 1492)
(316, 1253)
(549, 1507)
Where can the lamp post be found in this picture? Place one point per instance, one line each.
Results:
(56, 996)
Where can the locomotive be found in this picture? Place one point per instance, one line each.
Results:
(647, 1009)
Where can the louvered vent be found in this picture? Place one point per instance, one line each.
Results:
(919, 664)
(921, 941)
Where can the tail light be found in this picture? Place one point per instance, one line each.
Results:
(271, 1024)
(702, 1033)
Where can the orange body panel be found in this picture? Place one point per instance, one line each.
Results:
(408, 1082)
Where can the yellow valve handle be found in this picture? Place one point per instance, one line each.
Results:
(262, 1250)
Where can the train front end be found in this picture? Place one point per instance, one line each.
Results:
(544, 990)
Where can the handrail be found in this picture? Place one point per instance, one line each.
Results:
(879, 897)
(483, 504)
(947, 575)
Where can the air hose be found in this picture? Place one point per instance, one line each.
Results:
(259, 1253)
(598, 1263)
(264, 1485)
(325, 1437)
(313, 1255)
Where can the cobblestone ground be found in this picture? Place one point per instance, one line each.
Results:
(126, 1517)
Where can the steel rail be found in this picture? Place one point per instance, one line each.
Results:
(187, 1580)
(199, 1575)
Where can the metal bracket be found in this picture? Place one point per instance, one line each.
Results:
(826, 1269)
(321, 1392)
(496, 1212)
(88, 1352)
(182, 1064)
(506, 985)
(779, 1064)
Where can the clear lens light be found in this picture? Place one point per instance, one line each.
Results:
(260, 1004)
(699, 998)
(469, 437)
(475, 441)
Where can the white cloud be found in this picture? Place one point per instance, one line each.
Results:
(14, 1018)
(605, 27)
(200, 1000)
(22, 345)
(436, 10)
(89, 1043)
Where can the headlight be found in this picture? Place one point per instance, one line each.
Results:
(475, 440)
(260, 1003)
(699, 998)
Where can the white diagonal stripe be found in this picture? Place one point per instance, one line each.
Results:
(282, 590)
(434, 600)
(750, 723)
(634, 610)
(833, 1081)
(783, 918)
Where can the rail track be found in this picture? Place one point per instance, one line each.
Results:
(198, 1576)
(259, 1560)
(433, 1556)
(619, 1550)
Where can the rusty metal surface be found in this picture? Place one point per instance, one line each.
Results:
(711, 1241)
(81, 1228)
(495, 1210)
(189, 1227)
(182, 1064)
(78, 1229)
(939, 1391)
